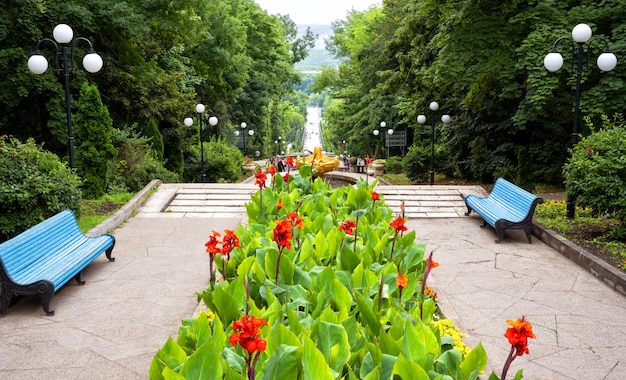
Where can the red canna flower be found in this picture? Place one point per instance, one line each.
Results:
(348, 226)
(518, 335)
(433, 264)
(272, 170)
(375, 196)
(296, 220)
(212, 246)
(260, 178)
(230, 242)
(289, 162)
(282, 233)
(280, 204)
(286, 177)
(246, 333)
(398, 224)
(402, 281)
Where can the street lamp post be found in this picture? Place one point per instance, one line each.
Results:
(38, 64)
(202, 133)
(434, 106)
(243, 133)
(581, 39)
(389, 133)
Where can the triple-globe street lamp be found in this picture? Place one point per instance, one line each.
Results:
(389, 133)
(200, 108)
(65, 66)
(434, 106)
(243, 133)
(581, 39)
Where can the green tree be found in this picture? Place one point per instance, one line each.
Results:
(482, 61)
(155, 138)
(93, 129)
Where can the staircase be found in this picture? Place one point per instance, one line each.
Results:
(217, 200)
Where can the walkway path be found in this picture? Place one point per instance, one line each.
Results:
(111, 327)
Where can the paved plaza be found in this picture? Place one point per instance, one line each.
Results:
(111, 327)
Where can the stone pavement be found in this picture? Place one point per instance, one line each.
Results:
(111, 327)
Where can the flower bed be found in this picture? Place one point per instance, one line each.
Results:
(321, 284)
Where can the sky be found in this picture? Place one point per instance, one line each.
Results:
(315, 12)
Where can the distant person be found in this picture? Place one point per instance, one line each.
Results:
(279, 164)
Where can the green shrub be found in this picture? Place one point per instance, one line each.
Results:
(222, 162)
(416, 163)
(595, 175)
(393, 165)
(34, 185)
(136, 164)
(93, 129)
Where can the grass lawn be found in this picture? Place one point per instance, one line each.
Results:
(94, 211)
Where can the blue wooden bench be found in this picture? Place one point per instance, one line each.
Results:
(43, 258)
(508, 206)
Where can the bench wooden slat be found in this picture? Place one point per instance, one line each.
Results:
(45, 257)
(508, 206)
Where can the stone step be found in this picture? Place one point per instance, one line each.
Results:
(228, 200)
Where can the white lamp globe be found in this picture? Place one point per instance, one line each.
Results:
(553, 61)
(445, 119)
(383, 124)
(236, 133)
(251, 132)
(37, 63)
(63, 34)
(200, 108)
(188, 121)
(581, 33)
(376, 132)
(434, 106)
(607, 61)
(421, 119)
(92, 62)
(213, 121)
(243, 125)
(390, 131)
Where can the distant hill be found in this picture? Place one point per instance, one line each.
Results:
(318, 56)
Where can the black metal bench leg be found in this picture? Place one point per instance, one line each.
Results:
(529, 233)
(499, 232)
(6, 300)
(109, 251)
(79, 279)
(46, 291)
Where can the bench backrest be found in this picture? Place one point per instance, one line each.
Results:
(512, 197)
(35, 244)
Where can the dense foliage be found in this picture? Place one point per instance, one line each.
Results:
(595, 176)
(34, 185)
(160, 59)
(482, 61)
(222, 162)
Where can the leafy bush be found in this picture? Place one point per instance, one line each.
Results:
(595, 175)
(222, 162)
(34, 185)
(416, 163)
(136, 164)
(393, 165)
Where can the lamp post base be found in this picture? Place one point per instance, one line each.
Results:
(432, 177)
